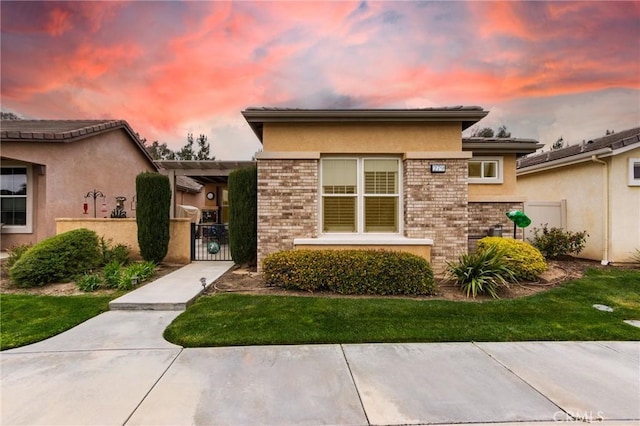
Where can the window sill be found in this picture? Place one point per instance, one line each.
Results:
(12, 229)
(363, 240)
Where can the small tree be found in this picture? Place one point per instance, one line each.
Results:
(243, 212)
(558, 144)
(187, 152)
(153, 193)
(204, 150)
(503, 132)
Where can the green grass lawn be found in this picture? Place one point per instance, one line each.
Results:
(563, 313)
(27, 319)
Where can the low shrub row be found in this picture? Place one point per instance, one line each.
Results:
(350, 272)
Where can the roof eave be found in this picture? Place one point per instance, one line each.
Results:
(518, 148)
(257, 117)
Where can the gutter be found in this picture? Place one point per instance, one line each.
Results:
(605, 209)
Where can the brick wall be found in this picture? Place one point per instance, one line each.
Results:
(435, 206)
(287, 204)
(482, 215)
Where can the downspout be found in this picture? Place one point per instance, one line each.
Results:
(605, 208)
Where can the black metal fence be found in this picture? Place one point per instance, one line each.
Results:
(210, 242)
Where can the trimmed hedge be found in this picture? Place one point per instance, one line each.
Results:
(526, 261)
(57, 259)
(153, 192)
(243, 215)
(350, 272)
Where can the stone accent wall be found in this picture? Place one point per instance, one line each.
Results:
(287, 204)
(482, 215)
(435, 206)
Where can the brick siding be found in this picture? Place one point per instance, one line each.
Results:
(287, 204)
(482, 215)
(435, 206)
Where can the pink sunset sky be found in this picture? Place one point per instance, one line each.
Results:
(543, 69)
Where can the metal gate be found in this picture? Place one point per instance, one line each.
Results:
(210, 242)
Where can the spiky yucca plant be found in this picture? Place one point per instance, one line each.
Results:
(482, 272)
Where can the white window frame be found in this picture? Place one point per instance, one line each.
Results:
(360, 196)
(489, 180)
(28, 227)
(632, 180)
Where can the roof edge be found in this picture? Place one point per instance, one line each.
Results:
(101, 126)
(466, 115)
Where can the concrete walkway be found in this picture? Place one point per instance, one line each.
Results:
(175, 291)
(117, 369)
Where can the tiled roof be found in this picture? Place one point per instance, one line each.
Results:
(613, 141)
(188, 184)
(56, 130)
(64, 131)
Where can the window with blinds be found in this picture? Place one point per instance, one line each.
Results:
(360, 195)
(380, 195)
(339, 188)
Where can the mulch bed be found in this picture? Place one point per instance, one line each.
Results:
(247, 281)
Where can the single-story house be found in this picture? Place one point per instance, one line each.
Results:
(53, 168)
(400, 179)
(599, 181)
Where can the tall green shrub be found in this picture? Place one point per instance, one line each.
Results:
(57, 259)
(153, 193)
(243, 215)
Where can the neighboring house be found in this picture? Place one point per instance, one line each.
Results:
(49, 167)
(189, 192)
(394, 179)
(600, 181)
(202, 184)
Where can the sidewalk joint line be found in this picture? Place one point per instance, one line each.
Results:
(153, 387)
(524, 381)
(353, 380)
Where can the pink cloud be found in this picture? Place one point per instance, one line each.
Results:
(59, 22)
(167, 64)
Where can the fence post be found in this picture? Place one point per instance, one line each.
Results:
(193, 241)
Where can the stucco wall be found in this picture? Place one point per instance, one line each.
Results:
(362, 138)
(190, 199)
(108, 162)
(581, 186)
(624, 209)
(125, 231)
